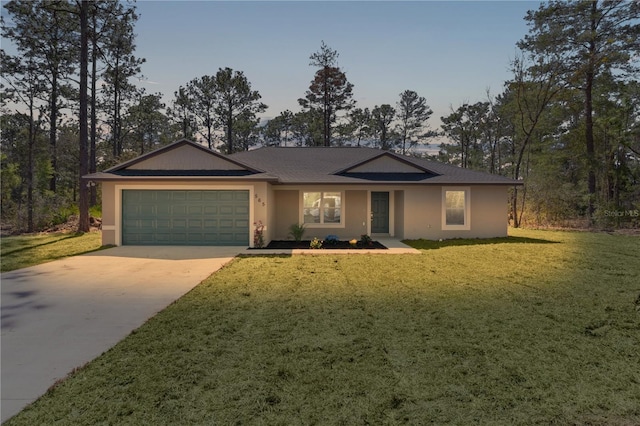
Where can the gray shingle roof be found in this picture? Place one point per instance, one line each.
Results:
(311, 165)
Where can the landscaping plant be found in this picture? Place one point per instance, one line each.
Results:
(315, 243)
(297, 231)
(258, 235)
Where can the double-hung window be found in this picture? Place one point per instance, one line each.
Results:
(322, 208)
(455, 209)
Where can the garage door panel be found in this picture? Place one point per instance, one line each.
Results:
(161, 196)
(194, 196)
(163, 225)
(226, 210)
(239, 223)
(178, 209)
(226, 196)
(146, 210)
(215, 217)
(241, 195)
(195, 224)
(210, 196)
(178, 196)
(163, 210)
(241, 210)
(180, 224)
(178, 238)
(164, 239)
(146, 197)
(195, 210)
(210, 226)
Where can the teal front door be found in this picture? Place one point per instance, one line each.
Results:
(189, 218)
(379, 212)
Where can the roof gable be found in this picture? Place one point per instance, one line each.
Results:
(181, 156)
(385, 163)
(185, 157)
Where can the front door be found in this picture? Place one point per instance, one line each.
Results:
(379, 212)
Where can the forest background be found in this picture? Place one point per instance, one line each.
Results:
(566, 123)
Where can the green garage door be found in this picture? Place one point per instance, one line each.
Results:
(190, 218)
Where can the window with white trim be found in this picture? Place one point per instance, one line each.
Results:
(322, 208)
(455, 209)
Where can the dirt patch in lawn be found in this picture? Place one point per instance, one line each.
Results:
(305, 244)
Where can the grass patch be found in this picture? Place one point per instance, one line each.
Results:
(28, 250)
(518, 332)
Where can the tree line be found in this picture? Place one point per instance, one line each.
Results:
(566, 124)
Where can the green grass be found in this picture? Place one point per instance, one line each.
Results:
(28, 250)
(539, 328)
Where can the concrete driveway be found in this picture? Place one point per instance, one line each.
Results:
(61, 315)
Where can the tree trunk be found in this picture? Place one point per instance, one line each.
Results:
(117, 146)
(93, 196)
(514, 207)
(184, 126)
(229, 129)
(209, 132)
(590, 144)
(588, 109)
(32, 143)
(327, 140)
(53, 122)
(83, 224)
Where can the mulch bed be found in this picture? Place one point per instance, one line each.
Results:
(288, 244)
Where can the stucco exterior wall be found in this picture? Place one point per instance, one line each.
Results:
(261, 203)
(399, 214)
(108, 214)
(356, 215)
(286, 213)
(423, 213)
(271, 215)
(489, 217)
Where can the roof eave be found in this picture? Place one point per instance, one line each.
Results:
(110, 177)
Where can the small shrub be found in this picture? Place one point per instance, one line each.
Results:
(353, 242)
(365, 240)
(297, 231)
(331, 239)
(315, 243)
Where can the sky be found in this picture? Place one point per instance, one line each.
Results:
(449, 52)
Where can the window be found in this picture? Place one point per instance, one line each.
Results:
(322, 207)
(455, 206)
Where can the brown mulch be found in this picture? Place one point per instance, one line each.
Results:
(340, 245)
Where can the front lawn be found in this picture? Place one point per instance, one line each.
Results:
(543, 328)
(28, 250)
